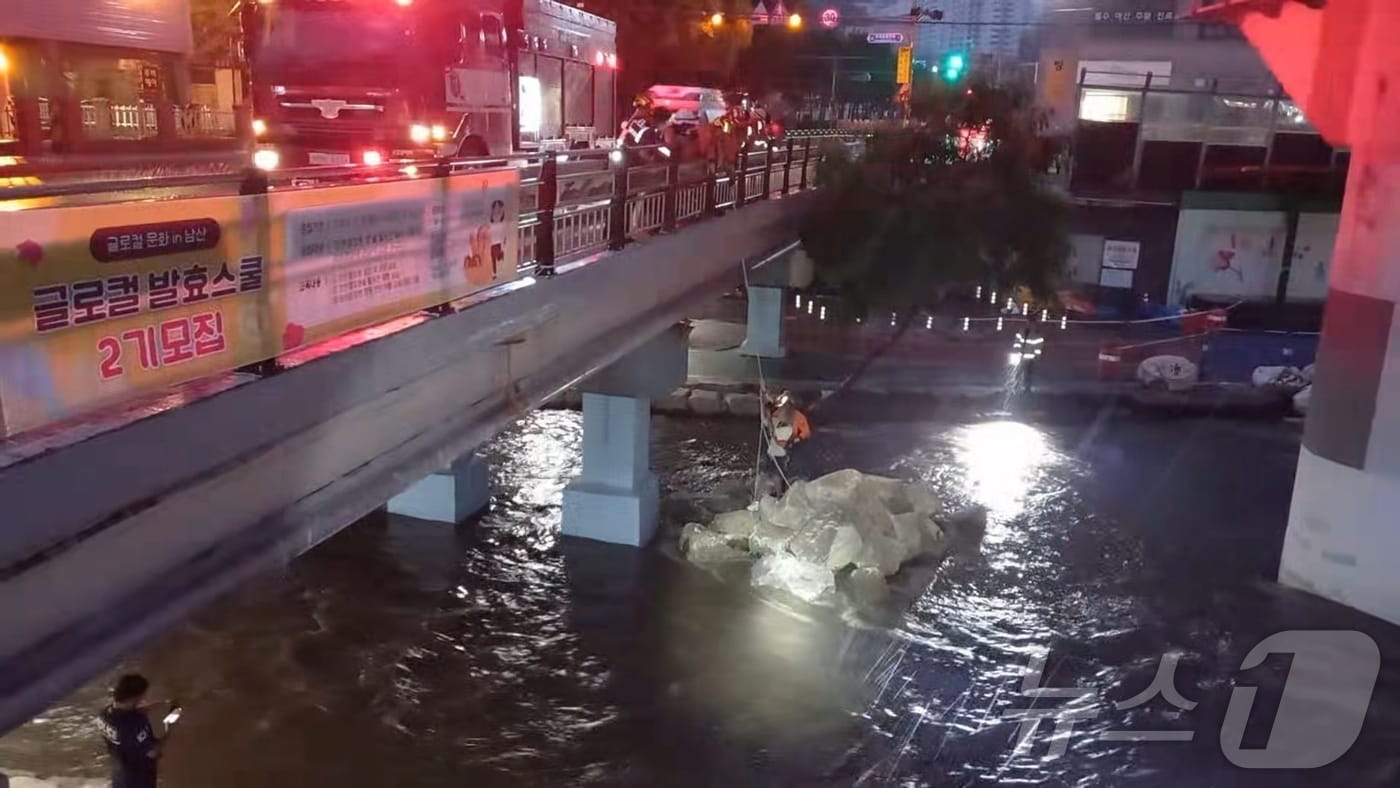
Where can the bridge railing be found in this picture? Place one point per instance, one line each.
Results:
(117, 297)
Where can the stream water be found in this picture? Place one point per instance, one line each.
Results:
(403, 653)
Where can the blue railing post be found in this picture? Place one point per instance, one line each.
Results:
(547, 199)
(617, 209)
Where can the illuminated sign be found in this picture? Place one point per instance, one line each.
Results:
(830, 18)
(884, 38)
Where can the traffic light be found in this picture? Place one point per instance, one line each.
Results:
(952, 66)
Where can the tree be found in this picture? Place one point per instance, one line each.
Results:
(955, 198)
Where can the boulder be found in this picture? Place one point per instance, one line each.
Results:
(703, 546)
(704, 402)
(846, 545)
(868, 587)
(769, 538)
(845, 519)
(787, 572)
(678, 402)
(741, 404)
(967, 523)
(738, 524)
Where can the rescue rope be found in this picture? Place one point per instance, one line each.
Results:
(763, 435)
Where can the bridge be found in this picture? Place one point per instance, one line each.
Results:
(164, 476)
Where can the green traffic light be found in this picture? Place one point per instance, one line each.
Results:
(952, 66)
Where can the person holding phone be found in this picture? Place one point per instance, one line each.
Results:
(131, 741)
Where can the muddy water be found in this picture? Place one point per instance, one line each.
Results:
(403, 653)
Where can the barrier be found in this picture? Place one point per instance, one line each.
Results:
(105, 303)
(354, 256)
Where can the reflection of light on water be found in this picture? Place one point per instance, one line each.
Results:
(1001, 459)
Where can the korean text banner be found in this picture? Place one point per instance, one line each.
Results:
(101, 303)
(354, 256)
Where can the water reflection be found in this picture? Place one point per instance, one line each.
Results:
(1002, 460)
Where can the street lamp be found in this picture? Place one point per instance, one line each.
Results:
(716, 19)
(794, 21)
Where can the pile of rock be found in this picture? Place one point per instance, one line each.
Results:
(847, 525)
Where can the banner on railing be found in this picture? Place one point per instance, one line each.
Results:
(354, 256)
(104, 302)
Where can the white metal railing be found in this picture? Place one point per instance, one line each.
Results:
(580, 230)
(690, 201)
(527, 245)
(726, 191)
(197, 120)
(646, 212)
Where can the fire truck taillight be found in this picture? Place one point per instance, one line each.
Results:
(419, 133)
(439, 132)
(372, 158)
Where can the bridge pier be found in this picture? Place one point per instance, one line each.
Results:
(449, 496)
(616, 497)
(765, 323)
(1343, 535)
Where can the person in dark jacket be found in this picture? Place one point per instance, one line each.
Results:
(132, 745)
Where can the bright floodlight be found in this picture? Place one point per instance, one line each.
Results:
(266, 159)
(372, 158)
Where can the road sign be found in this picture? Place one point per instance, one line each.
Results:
(830, 18)
(904, 71)
(884, 38)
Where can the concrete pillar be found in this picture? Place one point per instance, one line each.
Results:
(616, 498)
(1343, 534)
(765, 323)
(450, 495)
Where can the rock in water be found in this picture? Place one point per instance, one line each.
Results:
(738, 523)
(868, 587)
(787, 572)
(845, 548)
(769, 538)
(844, 519)
(703, 546)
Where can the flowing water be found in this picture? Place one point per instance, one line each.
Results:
(404, 653)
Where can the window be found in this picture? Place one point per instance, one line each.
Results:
(1106, 106)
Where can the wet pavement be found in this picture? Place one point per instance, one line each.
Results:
(411, 654)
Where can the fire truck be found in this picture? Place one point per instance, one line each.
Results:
(339, 82)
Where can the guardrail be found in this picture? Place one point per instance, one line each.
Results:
(104, 303)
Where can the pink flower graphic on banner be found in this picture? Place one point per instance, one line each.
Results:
(30, 252)
(1224, 259)
(293, 335)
